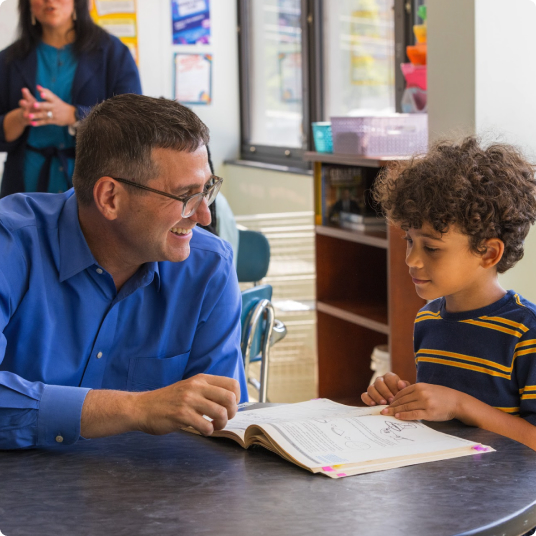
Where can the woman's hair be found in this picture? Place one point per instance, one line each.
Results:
(88, 35)
(486, 192)
(211, 227)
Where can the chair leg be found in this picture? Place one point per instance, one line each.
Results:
(256, 321)
(270, 320)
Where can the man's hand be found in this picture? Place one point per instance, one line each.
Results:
(184, 403)
(426, 401)
(162, 411)
(383, 390)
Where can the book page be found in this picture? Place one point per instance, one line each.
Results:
(318, 408)
(323, 433)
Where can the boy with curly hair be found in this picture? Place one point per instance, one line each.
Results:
(466, 211)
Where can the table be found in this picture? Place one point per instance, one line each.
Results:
(178, 484)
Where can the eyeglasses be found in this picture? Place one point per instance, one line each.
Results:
(190, 202)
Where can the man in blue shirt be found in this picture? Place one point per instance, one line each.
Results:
(117, 313)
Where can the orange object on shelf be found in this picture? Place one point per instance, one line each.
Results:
(420, 32)
(417, 54)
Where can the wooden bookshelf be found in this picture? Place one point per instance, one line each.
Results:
(365, 296)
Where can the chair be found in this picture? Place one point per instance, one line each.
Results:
(260, 331)
(253, 258)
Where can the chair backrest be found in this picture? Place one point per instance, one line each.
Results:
(250, 298)
(253, 256)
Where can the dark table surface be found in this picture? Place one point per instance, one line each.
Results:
(136, 484)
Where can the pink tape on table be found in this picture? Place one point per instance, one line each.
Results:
(327, 469)
(481, 448)
(341, 474)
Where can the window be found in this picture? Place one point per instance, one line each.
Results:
(359, 75)
(276, 73)
(309, 60)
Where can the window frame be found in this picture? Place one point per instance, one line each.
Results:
(312, 78)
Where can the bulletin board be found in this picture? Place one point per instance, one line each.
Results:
(193, 78)
(119, 18)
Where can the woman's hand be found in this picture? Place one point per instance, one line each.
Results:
(18, 119)
(52, 111)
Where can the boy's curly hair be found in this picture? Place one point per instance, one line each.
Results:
(487, 192)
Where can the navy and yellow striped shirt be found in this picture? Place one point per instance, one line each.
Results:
(489, 353)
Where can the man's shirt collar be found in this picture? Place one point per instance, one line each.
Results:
(75, 255)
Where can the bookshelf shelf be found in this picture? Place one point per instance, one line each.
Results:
(350, 159)
(365, 296)
(372, 238)
(372, 316)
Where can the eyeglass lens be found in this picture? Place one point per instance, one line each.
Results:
(193, 202)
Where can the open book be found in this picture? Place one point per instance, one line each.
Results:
(336, 440)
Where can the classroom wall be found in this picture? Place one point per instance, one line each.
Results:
(451, 68)
(156, 69)
(255, 190)
(8, 22)
(506, 104)
(481, 79)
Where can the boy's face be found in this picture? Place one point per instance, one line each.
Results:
(444, 265)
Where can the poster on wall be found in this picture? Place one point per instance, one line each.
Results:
(193, 78)
(191, 22)
(117, 17)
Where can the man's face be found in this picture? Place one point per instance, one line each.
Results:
(442, 265)
(151, 225)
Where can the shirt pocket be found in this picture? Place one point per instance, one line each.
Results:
(148, 373)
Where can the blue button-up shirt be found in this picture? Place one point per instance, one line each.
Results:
(66, 329)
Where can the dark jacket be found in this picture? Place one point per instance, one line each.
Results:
(108, 71)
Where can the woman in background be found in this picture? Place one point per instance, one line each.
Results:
(61, 65)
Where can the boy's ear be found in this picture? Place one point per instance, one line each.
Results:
(494, 252)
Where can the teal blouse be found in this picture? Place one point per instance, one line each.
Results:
(55, 71)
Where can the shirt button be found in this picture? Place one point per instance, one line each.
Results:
(99, 355)
(61, 168)
(99, 270)
(59, 439)
(62, 145)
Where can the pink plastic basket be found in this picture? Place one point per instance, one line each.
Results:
(390, 135)
(415, 75)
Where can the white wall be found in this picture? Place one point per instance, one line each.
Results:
(9, 19)
(506, 71)
(156, 69)
(253, 191)
(482, 80)
(451, 68)
(506, 97)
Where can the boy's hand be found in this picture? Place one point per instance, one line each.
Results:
(425, 401)
(383, 390)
